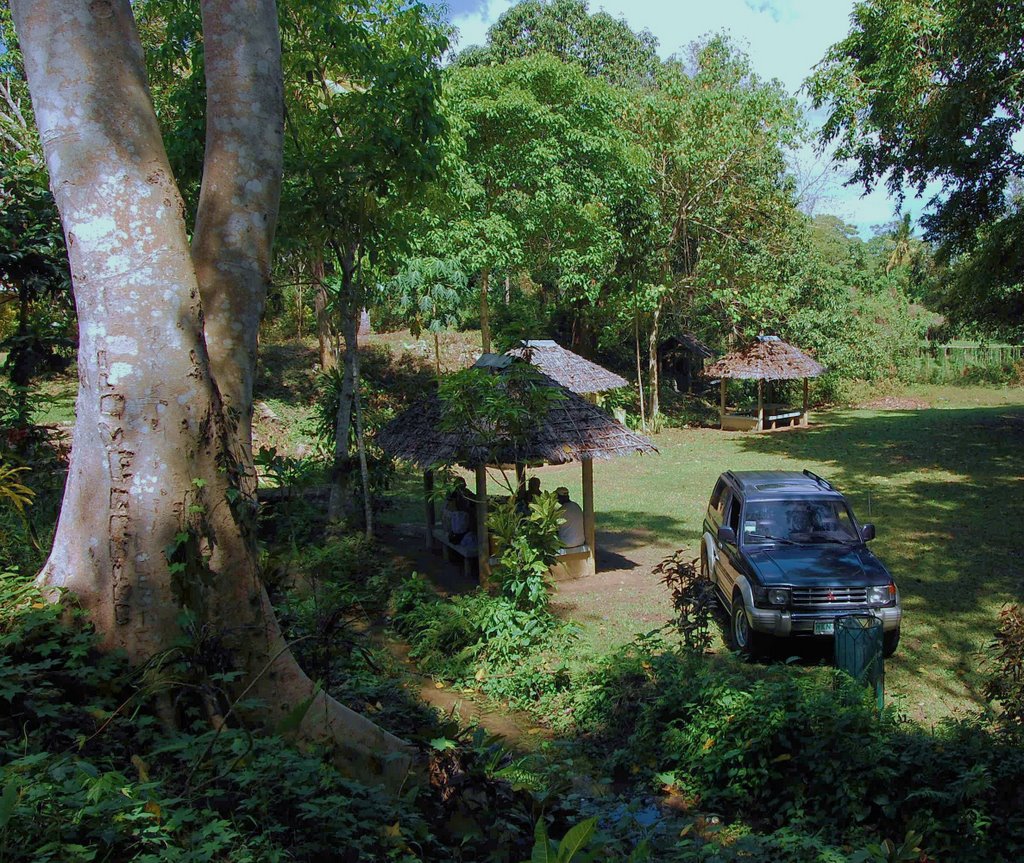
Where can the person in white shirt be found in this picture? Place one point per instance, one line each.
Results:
(571, 533)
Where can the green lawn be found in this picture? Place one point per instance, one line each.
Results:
(943, 486)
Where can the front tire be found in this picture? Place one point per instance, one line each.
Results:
(743, 638)
(890, 641)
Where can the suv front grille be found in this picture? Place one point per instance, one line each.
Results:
(830, 596)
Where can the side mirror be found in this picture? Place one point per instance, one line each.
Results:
(867, 532)
(727, 534)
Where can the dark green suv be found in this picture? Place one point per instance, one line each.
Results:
(787, 557)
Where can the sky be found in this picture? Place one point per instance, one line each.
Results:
(783, 38)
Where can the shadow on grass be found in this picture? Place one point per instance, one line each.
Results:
(944, 488)
(627, 530)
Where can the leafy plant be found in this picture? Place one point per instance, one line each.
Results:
(572, 846)
(527, 546)
(1006, 682)
(693, 598)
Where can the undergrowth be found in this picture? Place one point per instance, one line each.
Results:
(738, 762)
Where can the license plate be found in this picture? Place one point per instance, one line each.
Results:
(824, 627)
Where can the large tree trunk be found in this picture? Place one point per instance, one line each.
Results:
(160, 441)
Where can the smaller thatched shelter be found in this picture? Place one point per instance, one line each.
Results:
(572, 429)
(566, 368)
(682, 357)
(767, 359)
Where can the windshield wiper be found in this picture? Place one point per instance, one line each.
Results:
(774, 538)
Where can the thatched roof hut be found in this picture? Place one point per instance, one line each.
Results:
(572, 430)
(767, 359)
(570, 370)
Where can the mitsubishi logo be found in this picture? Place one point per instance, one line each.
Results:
(831, 596)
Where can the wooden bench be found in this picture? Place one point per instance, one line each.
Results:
(454, 553)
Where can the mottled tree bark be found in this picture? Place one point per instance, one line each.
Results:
(161, 443)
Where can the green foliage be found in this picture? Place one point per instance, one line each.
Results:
(89, 770)
(526, 546)
(693, 598)
(576, 840)
(929, 93)
(495, 413)
(1006, 681)
(537, 171)
(427, 294)
(378, 408)
(603, 46)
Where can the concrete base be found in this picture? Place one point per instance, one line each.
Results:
(574, 564)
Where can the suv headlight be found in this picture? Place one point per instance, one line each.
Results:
(778, 596)
(882, 594)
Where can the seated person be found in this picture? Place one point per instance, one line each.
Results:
(529, 495)
(455, 518)
(571, 533)
(468, 544)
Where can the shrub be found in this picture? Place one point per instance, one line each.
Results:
(527, 546)
(1006, 682)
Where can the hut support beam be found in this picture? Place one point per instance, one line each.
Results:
(721, 409)
(589, 524)
(428, 509)
(483, 543)
(803, 417)
(760, 405)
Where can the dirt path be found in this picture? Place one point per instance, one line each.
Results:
(624, 598)
(469, 706)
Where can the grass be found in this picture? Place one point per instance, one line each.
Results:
(943, 486)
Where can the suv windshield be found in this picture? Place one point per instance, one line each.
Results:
(804, 521)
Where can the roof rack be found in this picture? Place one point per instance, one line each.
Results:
(819, 479)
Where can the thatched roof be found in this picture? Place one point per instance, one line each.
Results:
(770, 359)
(572, 429)
(687, 342)
(569, 369)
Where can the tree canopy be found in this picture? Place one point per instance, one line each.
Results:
(931, 94)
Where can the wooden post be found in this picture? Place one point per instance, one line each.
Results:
(803, 418)
(721, 410)
(520, 479)
(428, 508)
(760, 405)
(483, 543)
(589, 526)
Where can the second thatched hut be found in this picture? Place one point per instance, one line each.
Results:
(765, 360)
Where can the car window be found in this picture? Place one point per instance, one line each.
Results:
(806, 521)
(734, 515)
(716, 495)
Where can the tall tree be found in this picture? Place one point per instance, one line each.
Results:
(932, 92)
(363, 119)
(716, 134)
(157, 522)
(539, 165)
(603, 46)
